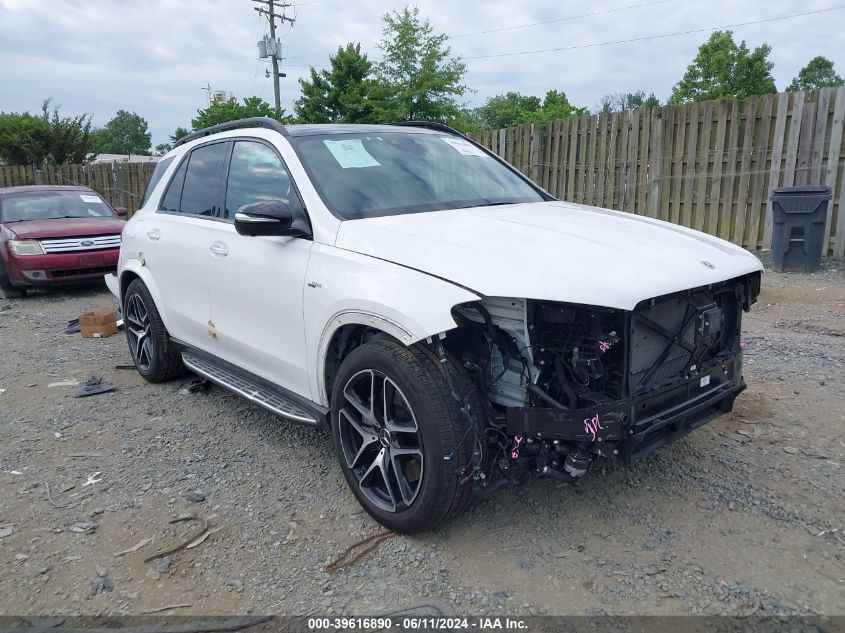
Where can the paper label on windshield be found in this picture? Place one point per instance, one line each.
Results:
(351, 154)
(94, 199)
(464, 147)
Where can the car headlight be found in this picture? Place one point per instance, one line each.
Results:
(26, 247)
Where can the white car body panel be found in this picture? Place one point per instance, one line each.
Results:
(344, 287)
(551, 250)
(256, 304)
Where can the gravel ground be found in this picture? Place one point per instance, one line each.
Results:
(744, 516)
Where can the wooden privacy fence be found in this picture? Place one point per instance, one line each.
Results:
(121, 184)
(710, 166)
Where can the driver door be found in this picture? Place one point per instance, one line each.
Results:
(256, 284)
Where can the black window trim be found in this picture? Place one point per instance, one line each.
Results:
(185, 161)
(148, 190)
(226, 164)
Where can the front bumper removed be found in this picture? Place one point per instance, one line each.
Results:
(634, 427)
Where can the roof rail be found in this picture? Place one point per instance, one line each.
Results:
(256, 121)
(431, 125)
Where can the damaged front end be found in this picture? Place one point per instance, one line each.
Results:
(563, 384)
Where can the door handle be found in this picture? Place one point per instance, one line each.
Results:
(154, 235)
(219, 249)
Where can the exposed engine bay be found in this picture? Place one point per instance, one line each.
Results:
(563, 384)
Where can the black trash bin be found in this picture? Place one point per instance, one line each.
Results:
(799, 216)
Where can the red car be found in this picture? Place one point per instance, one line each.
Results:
(55, 234)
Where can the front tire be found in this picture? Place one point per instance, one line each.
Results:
(7, 290)
(152, 351)
(400, 436)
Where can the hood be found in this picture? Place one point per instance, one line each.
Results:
(65, 227)
(555, 251)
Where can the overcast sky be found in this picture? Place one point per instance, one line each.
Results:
(155, 56)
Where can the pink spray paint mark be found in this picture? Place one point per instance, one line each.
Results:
(604, 345)
(593, 425)
(517, 441)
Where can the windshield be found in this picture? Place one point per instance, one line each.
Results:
(51, 205)
(390, 173)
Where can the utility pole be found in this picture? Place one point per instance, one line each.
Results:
(273, 47)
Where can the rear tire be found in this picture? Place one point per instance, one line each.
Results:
(402, 455)
(152, 351)
(7, 290)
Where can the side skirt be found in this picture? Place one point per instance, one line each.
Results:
(257, 390)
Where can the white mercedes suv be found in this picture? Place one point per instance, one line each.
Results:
(454, 327)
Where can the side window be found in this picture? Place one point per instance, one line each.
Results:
(158, 172)
(171, 197)
(199, 194)
(256, 174)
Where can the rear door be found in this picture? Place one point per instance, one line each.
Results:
(256, 283)
(176, 242)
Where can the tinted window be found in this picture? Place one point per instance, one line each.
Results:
(51, 205)
(158, 172)
(199, 194)
(255, 174)
(368, 175)
(170, 200)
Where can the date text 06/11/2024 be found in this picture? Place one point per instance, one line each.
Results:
(416, 623)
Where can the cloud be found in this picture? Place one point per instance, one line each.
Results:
(155, 57)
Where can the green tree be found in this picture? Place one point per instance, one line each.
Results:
(69, 138)
(341, 94)
(818, 73)
(419, 80)
(125, 133)
(24, 138)
(556, 106)
(507, 110)
(231, 110)
(627, 102)
(178, 133)
(514, 108)
(724, 69)
(162, 148)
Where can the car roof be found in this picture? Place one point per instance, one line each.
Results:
(310, 129)
(31, 188)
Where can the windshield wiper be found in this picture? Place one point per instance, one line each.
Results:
(486, 203)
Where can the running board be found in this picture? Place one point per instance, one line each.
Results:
(251, 390)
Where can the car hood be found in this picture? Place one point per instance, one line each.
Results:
(556, 251)
(65, 227)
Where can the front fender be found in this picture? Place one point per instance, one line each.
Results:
(345, 288)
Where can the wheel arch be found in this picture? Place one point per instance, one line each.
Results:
(133, 271)
(346, 331)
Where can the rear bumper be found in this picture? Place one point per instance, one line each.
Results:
(634, 427)
(61, 268)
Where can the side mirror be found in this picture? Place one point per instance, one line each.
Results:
(122, 212)
(272, 217)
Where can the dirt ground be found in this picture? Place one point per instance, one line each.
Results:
(744, 516)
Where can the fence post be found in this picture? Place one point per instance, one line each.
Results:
(117, 178)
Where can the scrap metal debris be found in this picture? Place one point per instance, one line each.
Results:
(134, 548)
(73, 327)
(350, 556)
(93, 479)
(167, 607)
(94, 386)
(199, 537)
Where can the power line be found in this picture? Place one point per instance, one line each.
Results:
(520, 26)
(566, 19)
(655, 37)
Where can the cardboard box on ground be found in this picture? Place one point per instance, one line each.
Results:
(98, 323)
